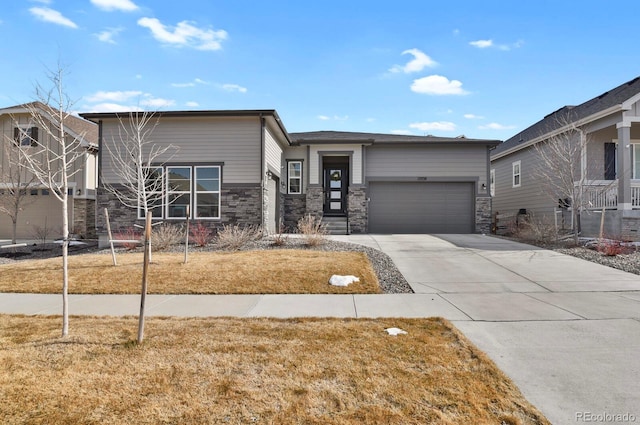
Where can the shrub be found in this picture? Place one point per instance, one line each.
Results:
(235, 237)
(200, 235)
(312, 230)
(166, 235)
(129, 234)
(280, 239)
(537, 230)
(611, 247)
(42, 233)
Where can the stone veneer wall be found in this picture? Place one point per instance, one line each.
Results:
(239, 205)
(631, 228)
(315, 201)
(357, 198)
(84, 218)
(294, 208)
(483, 214)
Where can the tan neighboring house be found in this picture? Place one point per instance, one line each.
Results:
(243, 167)
(41, 208)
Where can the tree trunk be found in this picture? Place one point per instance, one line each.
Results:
(65, 265)
(14, 222)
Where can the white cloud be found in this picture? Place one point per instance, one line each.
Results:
(109, 5)
(482, 44)
(418, 63)
(402, 132)
(496, 126)
(437, 85)
(113, 96)
(343, 118)
(49, 15)
(138, 76)
(184, 34)
(182, 85)
(192, 104)
(473, 117)
(199, 81)
(234, 87)
(113, 107)
(156, 102)
(107, 35)
(323, 117)
(437, 125)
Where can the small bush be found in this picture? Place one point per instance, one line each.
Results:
(200, 235)
(42, 233)
(312, 230)
(611, 247)
(537, 230)
(166, 235)
(235, 237)
(280, 239)
(129, 234)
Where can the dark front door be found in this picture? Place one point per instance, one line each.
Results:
(335, 190)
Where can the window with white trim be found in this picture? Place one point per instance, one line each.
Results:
(207, 192)
(492, 182)
(517, 173)
(154, 185)
(25, 136)
(178, 191)
(294, 177)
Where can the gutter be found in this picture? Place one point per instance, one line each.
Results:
(262, 171)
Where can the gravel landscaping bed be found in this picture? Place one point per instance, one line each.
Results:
(391, 280)
(626, 262)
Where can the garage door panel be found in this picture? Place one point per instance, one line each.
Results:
(403, 207)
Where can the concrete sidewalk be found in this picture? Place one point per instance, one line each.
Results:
(567, 331)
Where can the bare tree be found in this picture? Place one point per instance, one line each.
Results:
(16, 184)
(53, 159)
(564, 171)
(137, 163)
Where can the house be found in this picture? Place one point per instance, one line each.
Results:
(244, 167)
(607, 172)
(40, 209)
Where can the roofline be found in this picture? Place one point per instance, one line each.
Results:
(96, 116)
(24, 109)
(593, 117)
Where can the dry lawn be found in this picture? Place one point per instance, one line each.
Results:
(244, 272)
(259, 371)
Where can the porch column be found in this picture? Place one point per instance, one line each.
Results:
(624, 165)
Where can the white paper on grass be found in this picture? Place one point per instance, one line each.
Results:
(337, 280)
(395, 331)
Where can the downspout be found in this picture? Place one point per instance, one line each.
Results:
(99, 175)
(262, 171)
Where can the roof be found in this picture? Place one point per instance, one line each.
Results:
(80, 127)
(377, 138)
(96, 116)
(569, 114)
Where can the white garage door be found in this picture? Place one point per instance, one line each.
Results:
(421, 207)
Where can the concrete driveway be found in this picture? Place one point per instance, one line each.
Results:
(567, 331)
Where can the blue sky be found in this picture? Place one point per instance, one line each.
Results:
(483, 69)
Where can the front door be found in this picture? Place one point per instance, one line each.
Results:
(335, 190)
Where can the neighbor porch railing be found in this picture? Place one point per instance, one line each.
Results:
(604, 194)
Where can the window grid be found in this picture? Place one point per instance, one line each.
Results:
(294, 177)
(517, 174)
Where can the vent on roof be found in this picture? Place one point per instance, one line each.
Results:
(603, 95)
(462, 136)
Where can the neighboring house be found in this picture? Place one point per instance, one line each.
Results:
(244, 167)
(42, 209)
(609, 169)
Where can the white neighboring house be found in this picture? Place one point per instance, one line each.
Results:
(19, 131)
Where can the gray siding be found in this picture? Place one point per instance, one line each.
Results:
(273, 153)
(297, 153)
(531, 193)
(232, 140)
(441, 161)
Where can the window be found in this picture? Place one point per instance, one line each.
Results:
(33, 192)
(635, 160)
(294, 176)
(154, 178)
(610, 162)
(516, 174)
(25, 136)
(492, 182)
(207, 192)
(178, 191)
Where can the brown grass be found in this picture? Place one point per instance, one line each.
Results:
(246, 272)
(239, 371)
